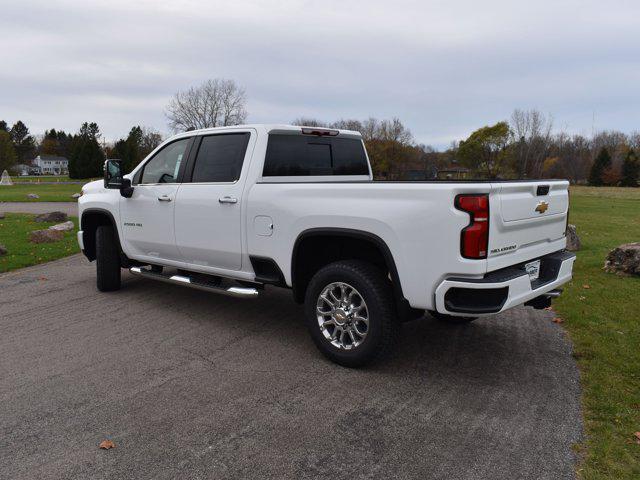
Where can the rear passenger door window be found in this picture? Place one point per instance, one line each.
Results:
(219, 158)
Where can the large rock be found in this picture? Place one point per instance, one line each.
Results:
(45, 236)
(52, 217)
(3, 250)
(33, 195)
(573, 241)
(62, 227)
(624, 259)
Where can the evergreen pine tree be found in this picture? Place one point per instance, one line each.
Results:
(630, 170)
(8, 156)
(87, 158)
(601, 163)
(23, 143)
(133, 149)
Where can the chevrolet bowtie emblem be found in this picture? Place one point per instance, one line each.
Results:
(542, 207)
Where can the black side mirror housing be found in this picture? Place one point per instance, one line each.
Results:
(126, 190)
(114, 178)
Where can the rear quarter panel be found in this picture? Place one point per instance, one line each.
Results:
(417, 221)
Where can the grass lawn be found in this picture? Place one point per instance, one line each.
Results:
(51, 178)
(14, 235)
(47, 192)
(601, 312)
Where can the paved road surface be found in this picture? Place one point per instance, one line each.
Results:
(193, 385)
(70, 208)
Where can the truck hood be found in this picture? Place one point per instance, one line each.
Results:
(93, 187)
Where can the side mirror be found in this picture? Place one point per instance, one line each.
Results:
(113, 174)
(126, 190)
(114, 179)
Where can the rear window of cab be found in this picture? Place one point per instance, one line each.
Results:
(303, 155)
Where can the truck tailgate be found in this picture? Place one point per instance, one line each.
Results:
(528, 220)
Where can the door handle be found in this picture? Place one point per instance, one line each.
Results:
(164, 198)
(228, 200)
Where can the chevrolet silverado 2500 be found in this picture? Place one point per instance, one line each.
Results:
(230, 210)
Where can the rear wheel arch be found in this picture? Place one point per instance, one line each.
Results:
(317, 247)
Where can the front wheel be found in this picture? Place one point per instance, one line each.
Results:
(107, 259)
(350, 313)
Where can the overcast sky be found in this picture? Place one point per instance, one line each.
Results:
(444, 68)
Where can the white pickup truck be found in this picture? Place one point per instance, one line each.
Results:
(230, 210)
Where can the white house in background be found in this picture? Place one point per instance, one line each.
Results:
(51, 164)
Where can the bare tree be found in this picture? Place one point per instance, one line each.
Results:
(370, 128)
(394, 130)
(615, 142)
(532, 137)
(215, 103)
(348, 124)
(150, 139)
(573, 154)
(309, 122)
(634, 140)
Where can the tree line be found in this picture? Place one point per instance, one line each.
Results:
(525, 146)
(85, 149)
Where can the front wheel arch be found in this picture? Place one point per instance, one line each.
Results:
(89, 223)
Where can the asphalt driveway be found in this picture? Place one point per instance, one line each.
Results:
(192, 385)
(70, 208)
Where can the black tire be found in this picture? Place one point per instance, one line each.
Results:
(107, 260)
(376, 291)
(451, 319)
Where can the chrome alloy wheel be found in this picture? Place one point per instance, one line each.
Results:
(342, 314)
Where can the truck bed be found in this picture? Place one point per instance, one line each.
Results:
(417, 220)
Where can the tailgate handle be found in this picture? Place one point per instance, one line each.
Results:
(542, 190)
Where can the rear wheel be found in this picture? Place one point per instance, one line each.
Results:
(107, 259)
(451, 319)
(349, 313)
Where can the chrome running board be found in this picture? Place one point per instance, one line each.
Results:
(241, 292)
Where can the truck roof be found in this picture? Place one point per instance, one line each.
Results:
(276, 127)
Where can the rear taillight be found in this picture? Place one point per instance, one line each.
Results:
(474, 238)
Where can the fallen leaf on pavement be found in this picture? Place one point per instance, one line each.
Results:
(107, 444)
(558, 320)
